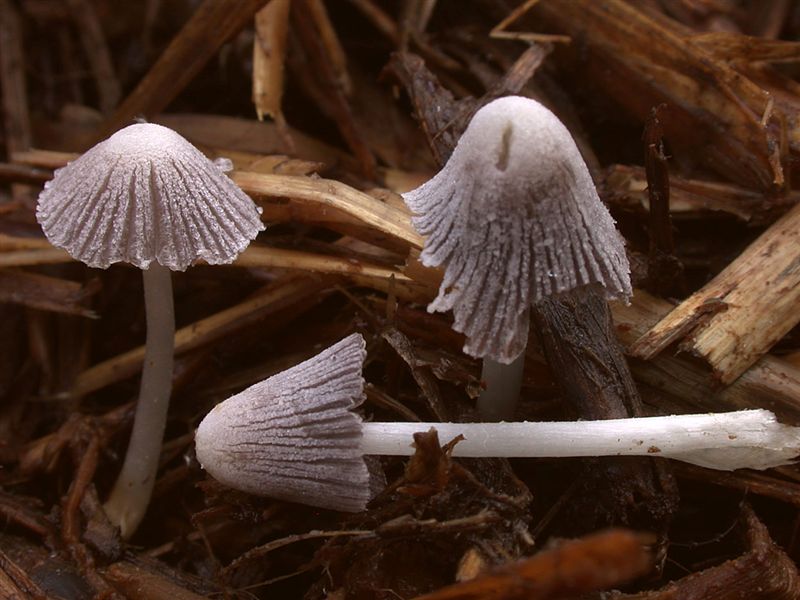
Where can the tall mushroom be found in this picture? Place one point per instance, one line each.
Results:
(294, 436)
(147, 197)
(514, 217)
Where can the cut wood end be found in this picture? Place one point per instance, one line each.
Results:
(657, 339)
(683, 321)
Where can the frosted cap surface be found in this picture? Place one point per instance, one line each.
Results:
(294, 436)
(146, 194)
(514, 217)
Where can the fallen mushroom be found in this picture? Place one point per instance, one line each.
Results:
(147, 197)
(514, 216)
(294, 436)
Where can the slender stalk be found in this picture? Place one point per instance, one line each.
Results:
(130, 496)
(498, 402)
(726, 441)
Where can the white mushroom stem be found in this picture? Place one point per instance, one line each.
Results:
(743, 439)
(498, 401)
(130, 496)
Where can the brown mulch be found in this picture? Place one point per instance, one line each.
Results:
(688, 115)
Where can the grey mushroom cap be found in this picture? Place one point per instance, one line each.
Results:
(514, 217)
(146, 194)
(294, 436)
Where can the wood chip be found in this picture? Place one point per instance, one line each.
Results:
(626, 186)
(770, 383)
(273, 297)
(596, 562)
(214, 22)
(139, 583)
(713, 108)
(17, 126)
(737, 317)
(97, 53)
(45, 293)
(269, 53)
(763, 572)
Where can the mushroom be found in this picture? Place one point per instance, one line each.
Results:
(147, 197)
(294, 436)
(514, 217)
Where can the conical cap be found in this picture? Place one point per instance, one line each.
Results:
(294, 436)
(146, 194)
(514, 217)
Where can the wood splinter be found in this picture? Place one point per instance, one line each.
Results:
(737, 317)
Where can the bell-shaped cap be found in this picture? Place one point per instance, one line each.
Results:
(514, 217)
(294, 436)
(146, 194)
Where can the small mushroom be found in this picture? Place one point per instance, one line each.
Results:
(147, 197)
(514, 217)
(295, 436)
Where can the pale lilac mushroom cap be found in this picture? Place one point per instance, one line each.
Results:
(294, 436)
(146, 194)
(514, 217)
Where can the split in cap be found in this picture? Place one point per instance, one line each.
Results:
(514, 217)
